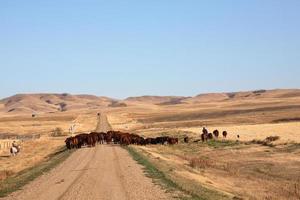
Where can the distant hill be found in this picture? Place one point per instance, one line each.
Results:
(155, 99)
(45, 103)
(256, 94)
(48, 103)
(211, 97)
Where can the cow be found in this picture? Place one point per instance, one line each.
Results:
(216, 133)
(95, 138)
(68, 142)
(101, 137)
(224, 134)
(210, 136)
(141, 141)
(108, 138)
(162, 140)
(82, 139)
(125, 140)
(186, 140)
(117, 137)
(150, 141)
(74, 141)
(204, 137)
(172, 141)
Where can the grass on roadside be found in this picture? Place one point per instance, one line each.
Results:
(17, 181)
(161, 178)
(222, 143)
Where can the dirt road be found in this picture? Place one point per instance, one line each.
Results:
(103, 125)
(106, 172)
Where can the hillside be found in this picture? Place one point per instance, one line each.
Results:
(155, 99)
(48, 103)
(244, 95)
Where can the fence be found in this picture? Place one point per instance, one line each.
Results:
(5, 144)
(19, 137)
(6, 140)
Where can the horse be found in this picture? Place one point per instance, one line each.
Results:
(14, 150)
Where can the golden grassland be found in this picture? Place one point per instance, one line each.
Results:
(288, 132)
(32, 153)
(239, 168)
(232, 169)
(37, 150)
(45, 123)
(225, 167)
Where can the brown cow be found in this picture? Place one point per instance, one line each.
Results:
(74, 142)
(172, 141)
(82, 139)
(224, 134)
(210, 136)
(125, 139)
(204, 137)
(186, 140)
(101, 137)
(150, 141)
(95, 137)
(91, 142)
(68, 142)
(108, 138)
(216, 133)
(162, 140)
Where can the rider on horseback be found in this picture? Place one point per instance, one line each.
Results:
(15, 145)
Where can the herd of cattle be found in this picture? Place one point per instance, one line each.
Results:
(115, 137)
(209, 136)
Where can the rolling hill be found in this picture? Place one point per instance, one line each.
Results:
(49, 103)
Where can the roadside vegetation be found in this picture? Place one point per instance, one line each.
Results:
(219, 169)
(58, 132)
(20, 179)
(180, 188)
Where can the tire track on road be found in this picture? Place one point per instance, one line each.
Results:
(83, 171)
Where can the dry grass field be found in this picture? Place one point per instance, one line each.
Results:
(219, 169)
(231, 168)
(34, 151)
(288, 132)
(236, 168)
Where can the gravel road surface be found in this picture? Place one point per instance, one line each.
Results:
(106, 172)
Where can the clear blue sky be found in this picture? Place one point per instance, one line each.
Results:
(158, 47)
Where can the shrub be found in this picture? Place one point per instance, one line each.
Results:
(200, 163)
(57, 132)
(117, 104)
(259, 91)
(63, 106)
(272, 138)
(49, 101)
(266, 142)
